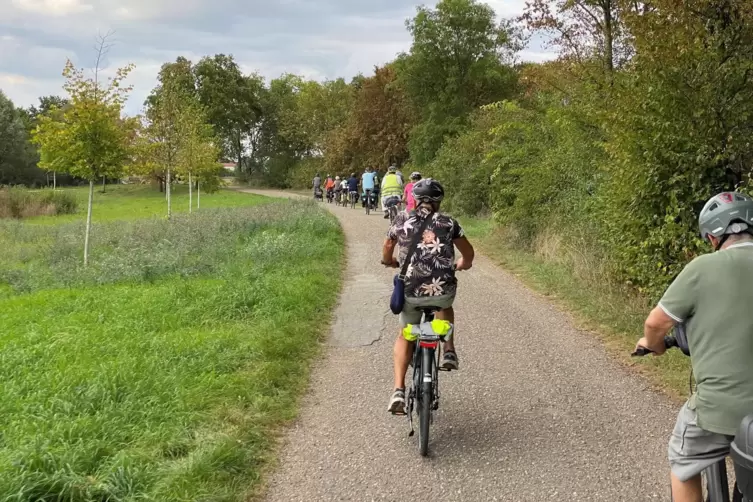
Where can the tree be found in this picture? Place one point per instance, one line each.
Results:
(233, 105)
(91, 140)
(161, 131)
(456, 63)
(680, 131)
(197, 153)
(582, 29)
(377, 128)
(17, 156)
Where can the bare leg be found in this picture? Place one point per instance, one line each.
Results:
(448, 315)
(402, 354)
(687, 491)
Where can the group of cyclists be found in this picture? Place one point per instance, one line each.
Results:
(711, 297)
(392, 189)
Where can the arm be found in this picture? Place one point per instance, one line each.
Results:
(467, 253)
(657, 325)
(388, 250)
(677, 305)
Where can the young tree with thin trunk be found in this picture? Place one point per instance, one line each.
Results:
(91, 140)
(198, 152)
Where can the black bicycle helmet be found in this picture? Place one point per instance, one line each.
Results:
(415, 176)
(428, 190)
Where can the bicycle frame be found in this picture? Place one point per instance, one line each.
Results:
(717, 484)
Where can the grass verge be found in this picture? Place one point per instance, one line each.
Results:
(166, 374)
(614, 314)
(131, 202)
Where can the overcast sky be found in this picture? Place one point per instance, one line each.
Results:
(316, 38)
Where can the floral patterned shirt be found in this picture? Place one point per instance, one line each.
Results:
(431, 271)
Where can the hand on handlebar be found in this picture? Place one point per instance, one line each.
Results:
(462, 264)
(642, 348)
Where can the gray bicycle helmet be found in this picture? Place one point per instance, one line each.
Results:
(726, 213)
(392, 169)
(415, 175)
(428, 190)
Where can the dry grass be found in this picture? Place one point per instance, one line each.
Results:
(19, 203)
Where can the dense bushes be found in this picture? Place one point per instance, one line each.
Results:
(21, 203)
(619, 161)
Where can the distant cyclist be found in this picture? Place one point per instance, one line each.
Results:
(410, 201)
(392, 190)
(431, 274)
(352, 185)
(317, 184)
(368, 183)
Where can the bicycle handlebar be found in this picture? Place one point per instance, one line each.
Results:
(669, 342)
(678, 339)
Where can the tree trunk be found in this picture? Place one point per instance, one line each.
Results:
(54, 180)
(88, 223)
(104, 189)
(608, 38)
(167, 185)
(190, 193)
(198, 195)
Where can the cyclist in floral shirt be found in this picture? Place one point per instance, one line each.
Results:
(430, 278)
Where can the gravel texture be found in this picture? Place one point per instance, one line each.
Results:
(538, 411)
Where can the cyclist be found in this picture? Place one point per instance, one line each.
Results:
(317, 184)
(329, 185)
(410, 202)
(392, 190)
(343, 190)
(715, 290)
(353, 185)
(336, 188)
(430, 278)
(368, 183)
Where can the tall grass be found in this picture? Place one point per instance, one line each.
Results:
(164, 372)
(130, 202)
(22, 203)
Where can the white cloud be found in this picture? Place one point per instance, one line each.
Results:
(53, 7)
(318, 39)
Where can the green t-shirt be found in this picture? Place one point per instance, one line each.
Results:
(714, 296)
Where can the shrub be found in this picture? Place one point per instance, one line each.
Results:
(21, 203)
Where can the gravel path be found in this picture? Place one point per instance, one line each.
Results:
(537, 412)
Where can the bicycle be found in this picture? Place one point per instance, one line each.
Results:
(368, 202)
(424, 391)
(353, 199)
(393, 207)
(714, 478)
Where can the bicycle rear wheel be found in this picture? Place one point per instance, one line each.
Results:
(425, 395)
